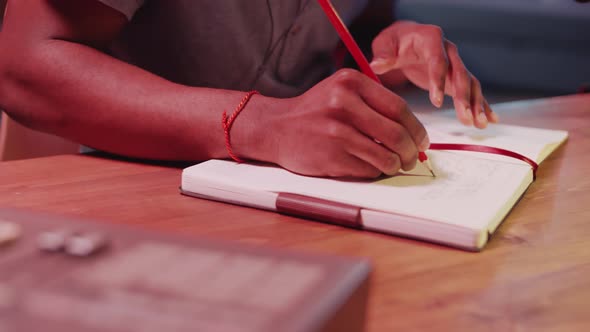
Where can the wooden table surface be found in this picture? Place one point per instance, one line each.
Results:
(534, 275)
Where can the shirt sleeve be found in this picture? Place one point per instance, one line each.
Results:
(127, 7)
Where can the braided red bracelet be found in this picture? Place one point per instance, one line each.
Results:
(227, 123)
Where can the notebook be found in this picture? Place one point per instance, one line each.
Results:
(462, 206)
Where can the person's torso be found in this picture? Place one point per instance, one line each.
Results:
(233, 44)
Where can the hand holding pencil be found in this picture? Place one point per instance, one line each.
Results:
(427, 59)
(331, 130)
(348, 125)
(359, 57)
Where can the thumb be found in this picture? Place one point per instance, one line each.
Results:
(382, 65)
(384, 50)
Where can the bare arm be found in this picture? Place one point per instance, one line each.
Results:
(56, 79)
(53, 77)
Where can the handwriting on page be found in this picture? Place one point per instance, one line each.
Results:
(456, 177)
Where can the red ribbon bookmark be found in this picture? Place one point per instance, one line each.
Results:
(486, 149)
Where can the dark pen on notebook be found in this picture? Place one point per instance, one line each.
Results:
(359, 57)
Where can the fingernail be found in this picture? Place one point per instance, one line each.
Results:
(482, 119)
(436, 97)
(380, 65)
(494, 117)
(425, 144)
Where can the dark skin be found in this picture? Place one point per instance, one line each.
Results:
(55, 78)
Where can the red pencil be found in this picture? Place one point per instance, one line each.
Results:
(358, 55)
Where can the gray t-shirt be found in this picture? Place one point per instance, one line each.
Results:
(224, 43)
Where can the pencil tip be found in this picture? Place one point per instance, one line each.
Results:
(429, 168)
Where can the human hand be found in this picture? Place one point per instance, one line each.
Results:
(432, 62)
(332, 130)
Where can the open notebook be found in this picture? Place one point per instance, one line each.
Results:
(461, 206)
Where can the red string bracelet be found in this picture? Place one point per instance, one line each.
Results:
(227, 123)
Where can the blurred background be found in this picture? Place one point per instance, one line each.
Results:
(518, 49)
(534, 45)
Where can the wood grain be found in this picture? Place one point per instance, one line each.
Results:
(533, 276)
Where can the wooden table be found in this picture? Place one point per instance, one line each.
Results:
(533, 276)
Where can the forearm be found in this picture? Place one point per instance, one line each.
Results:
(80, 93)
